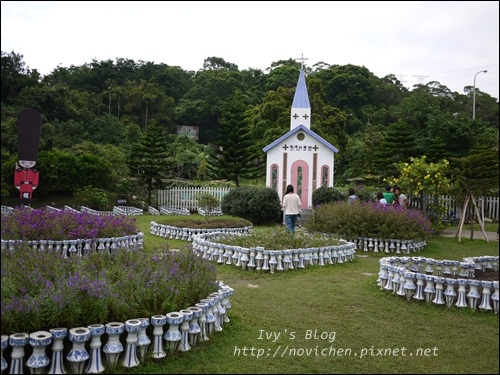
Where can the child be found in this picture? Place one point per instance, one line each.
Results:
(381, 199)
(352, 196)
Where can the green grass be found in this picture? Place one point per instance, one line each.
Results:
(488, 227)
(343, 300)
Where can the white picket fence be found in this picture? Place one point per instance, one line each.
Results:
(488, 206)
(187, 197)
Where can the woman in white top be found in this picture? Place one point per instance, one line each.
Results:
(291, 205)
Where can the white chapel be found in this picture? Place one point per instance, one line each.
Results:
(300, 157)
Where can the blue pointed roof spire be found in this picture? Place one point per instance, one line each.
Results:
(301, 108)
(301, 98)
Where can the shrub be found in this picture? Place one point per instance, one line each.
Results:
(368, 219)
(208, 201)
(325, 195)
(90, 197)
(256, 204)
(43, 290)
(365, 194)
(322, 195)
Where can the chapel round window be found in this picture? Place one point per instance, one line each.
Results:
(300, 136)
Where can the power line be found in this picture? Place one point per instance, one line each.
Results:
(421, 78)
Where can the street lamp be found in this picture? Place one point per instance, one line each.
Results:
(474, 95)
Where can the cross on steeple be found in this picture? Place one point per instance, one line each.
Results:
(295, 116)
(302, 61)
(305, 116)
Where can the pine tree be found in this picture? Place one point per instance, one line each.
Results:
(151, 153)
(235, 156)
(398, 146)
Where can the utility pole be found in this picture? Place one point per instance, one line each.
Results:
(474, 95)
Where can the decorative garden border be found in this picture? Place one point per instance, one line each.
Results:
(80, 247)
(398, 275)
(187, 234)
(214, 212)
(389, 246)
(259, 259)
(117, 210)
(6, 210)
(174, 211)
(185, 328)
(127, 210)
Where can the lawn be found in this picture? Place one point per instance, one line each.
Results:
(335, 319)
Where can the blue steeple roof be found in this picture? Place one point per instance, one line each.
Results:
(301, 99)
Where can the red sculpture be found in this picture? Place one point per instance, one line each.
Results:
(26, 180)
(26, 177)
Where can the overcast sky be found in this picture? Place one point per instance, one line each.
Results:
(418, 41)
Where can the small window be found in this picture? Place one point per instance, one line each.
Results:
(300, 136)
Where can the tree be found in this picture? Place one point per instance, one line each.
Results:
(65, 171)
(475, 175)
(425, 183)
(283, 73)
(184, 156)
(235, 156)
(15, 76)
(388, 92)
(348, 86)
(271, 119)
(145, 101)
(397, 146)
(108, 129)
(359, 153)
(216, 63)
(151, 155)
(108, 152)
(202, 104)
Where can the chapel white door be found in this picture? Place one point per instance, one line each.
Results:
(300, 181)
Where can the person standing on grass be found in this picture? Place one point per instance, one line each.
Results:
(388, 194)
(291, 206)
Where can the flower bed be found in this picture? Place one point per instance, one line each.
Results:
(442, 282)
(41, 291)
(256, 258)
(260, 259)
(45, 224)
(126, 343)
(371, 220)
(69, 232)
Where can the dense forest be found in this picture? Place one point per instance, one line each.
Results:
(111, 125)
